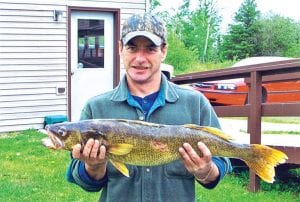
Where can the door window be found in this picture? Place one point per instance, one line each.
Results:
(90, 43)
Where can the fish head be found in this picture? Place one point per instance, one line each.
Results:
(64, 135)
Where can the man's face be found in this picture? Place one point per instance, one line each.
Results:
(142, 59)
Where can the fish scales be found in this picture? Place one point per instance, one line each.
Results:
(161, 141)
(147, 144)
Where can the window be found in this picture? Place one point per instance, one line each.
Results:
(90, 43)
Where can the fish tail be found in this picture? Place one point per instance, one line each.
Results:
(263, 160)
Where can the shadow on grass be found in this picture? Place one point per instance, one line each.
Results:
(287, 178)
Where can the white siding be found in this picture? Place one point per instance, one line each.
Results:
(33, 57)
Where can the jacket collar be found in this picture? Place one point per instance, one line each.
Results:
(167, 91)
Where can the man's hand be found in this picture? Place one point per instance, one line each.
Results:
(203, 168)
(93, 155)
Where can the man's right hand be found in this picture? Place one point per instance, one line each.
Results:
(93, 155)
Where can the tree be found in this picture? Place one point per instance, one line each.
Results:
(154, 4)
(199, 28)
(278, 36)
(179, 55)
(241, 42)
(179, 22)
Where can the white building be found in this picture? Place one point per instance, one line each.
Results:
(55, 54)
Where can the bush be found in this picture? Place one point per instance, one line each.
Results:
(180, 56)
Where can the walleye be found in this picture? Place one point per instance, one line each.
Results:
(148, 144)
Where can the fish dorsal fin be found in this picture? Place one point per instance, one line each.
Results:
(120, 149)
(217, 132)
(214, 131)
(120, 167)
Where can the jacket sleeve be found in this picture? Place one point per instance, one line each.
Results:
(209, 118)
(77, 174)
(224, 166)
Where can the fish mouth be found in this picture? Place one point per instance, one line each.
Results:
(58, 144)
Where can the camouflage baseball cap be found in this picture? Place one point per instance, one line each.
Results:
(146, 25)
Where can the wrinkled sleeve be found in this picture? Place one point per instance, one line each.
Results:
(77, 174)
(209, 118)
(224, 166)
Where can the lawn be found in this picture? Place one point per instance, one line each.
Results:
(31, 172)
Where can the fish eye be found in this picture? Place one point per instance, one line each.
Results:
(62, 131)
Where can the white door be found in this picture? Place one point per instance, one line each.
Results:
(91, 57)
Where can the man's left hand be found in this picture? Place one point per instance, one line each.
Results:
(203, 168)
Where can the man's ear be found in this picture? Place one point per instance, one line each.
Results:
(120, 47)
(164, 51)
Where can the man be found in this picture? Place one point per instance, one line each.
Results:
(145, 94)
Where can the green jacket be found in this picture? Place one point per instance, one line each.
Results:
(170, 182)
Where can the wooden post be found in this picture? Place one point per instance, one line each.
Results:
(254, 121)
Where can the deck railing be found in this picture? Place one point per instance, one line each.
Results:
(254, 76)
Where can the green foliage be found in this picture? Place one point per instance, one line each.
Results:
(247, 14)
(195, 34)
(179, 55)
(278, 36)
(253, 35)
(197, 29)
(154, 4)
(240, 42)
(178, 24)
(199, 67)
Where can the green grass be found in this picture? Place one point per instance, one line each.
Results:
(235, 188)
(31, 172)
(275, 132)
(291, 120)
(279, 132)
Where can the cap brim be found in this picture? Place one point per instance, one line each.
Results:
(154, 38)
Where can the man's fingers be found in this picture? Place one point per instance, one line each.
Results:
(186, 158)
(95, 149)
(183, 153)
(88, 148)
(102, 152)
(91, 150)
(205, 151)
(76, 152)
(191, 153)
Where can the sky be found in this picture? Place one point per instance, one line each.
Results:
(227, 8)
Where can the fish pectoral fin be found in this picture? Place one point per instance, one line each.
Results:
(120, 149)
(214, 131)
(120, 167)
